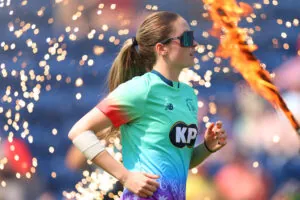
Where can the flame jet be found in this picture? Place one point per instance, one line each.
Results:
(225, 15)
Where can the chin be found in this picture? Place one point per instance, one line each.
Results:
(190, 64)
(187, 66)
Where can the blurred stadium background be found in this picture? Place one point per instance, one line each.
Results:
(54, 59)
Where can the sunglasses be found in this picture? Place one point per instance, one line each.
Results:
(186, 39)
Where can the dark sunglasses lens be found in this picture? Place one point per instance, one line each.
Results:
(187, 39)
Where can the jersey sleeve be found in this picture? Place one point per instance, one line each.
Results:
(126, 102)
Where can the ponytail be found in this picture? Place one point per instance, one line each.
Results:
(127, 65)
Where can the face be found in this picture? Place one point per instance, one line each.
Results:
(176, 55)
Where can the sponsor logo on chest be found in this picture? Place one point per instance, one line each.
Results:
(182, 134)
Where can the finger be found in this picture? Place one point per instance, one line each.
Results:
(222, 141)
(152, 176)
(222, 138)
(222, 132)
(153, 183)
(148, 193)
(219, 124)
(219, 132)
(141, 194)
(150, 188)
(216, 136)
(220, 145)
(210, 128)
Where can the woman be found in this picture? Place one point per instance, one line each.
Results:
(157, 115)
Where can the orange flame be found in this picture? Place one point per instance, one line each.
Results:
(225, 15)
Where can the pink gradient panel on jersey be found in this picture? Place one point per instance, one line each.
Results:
(112, 109)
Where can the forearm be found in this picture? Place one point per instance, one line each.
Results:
(94, 150)
(200, 153)
(111, 166)
(74, 158)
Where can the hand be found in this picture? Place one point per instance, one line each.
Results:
(141, 184)
(215, 137)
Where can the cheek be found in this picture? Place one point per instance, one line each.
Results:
(180, 55)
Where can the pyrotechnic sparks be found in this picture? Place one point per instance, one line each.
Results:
(33, 80)
(97, 184)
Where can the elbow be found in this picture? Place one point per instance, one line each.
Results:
(75, 131)
(72, 134)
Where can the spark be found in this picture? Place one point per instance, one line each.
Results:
(33, 82)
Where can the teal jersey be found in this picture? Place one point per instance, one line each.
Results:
(158, 123)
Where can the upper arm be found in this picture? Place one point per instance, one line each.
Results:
(94, 120)
(122, 105)
(126, 103)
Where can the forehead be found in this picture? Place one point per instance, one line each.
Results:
(180, 26)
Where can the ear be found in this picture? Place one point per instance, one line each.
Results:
(161, 49)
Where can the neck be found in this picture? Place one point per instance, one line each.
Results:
(167, 71)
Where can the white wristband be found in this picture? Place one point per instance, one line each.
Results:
(88, 143)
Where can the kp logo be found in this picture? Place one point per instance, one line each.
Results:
(182, 134)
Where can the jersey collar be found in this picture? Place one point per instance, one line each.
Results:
(164, 79)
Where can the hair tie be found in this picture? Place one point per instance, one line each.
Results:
(134, 42)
